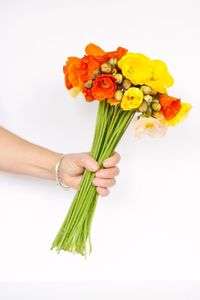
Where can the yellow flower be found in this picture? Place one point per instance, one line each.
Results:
(180, 116)
(161, 77)
(136, 67)
(132, 99)
(140, 69)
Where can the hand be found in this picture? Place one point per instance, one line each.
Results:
(73, 166)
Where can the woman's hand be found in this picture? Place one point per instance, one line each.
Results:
(20, 156)
(73, 166)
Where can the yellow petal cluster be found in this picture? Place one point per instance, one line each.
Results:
(132, 99)
(140, 69)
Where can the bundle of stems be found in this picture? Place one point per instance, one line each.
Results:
(74, 234)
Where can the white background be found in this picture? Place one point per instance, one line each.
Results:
(149, 226)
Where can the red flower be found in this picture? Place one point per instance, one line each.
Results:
(103, 87)
(87, 93)
(170, 106)
(79, 70)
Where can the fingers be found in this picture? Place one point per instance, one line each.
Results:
(112, 161)
(102, 191)
(104, 183)
(104, 178)
(107, 173)
(87, 162)
(74, 182)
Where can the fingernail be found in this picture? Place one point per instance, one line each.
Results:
(95, 167)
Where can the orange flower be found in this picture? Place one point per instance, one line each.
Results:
(101, 55)
(87, 93)
(116, 54)
(103, 87)
(70, 70)
(170, 106)
(90, 64)
(94, 50)
(79, 70)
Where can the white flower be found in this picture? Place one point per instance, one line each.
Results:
(149, 126)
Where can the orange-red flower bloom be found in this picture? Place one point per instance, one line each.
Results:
(170, 106)
(103, 87)
(79, 70)
(88, 95)
(101, 55)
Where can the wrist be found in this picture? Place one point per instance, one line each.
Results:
(49, 163)
(42, 163)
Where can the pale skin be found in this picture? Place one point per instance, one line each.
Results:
(20, 156)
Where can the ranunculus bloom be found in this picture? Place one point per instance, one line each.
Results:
(132, 99)
(161, 77)
(136, 67)
(103, 87)
(180, 116)
(140, 69)
(79, 70)
(70, 69)
(170, 106)
(149, 126)
(101, 55)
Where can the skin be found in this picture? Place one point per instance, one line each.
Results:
(23, 157)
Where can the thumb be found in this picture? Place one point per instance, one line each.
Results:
(89, 163)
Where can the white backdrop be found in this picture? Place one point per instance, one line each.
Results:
(149, 226)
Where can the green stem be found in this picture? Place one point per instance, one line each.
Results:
(74, 234)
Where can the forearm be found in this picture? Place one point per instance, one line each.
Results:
(20, 156)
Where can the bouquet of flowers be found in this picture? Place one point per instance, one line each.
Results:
(125, 84)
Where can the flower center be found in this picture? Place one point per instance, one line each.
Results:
(149, 125)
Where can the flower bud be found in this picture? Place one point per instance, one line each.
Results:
(148, 98)
(156, 100)
(118, 78)
(156, 106)
(126, 84)
(143, 107)
(118, 95)
(149, 112)
(156, 114)
(114, 71)
(143, 115)
(106, 68)
(113, 61)
(88, 84)
(95, 74)
(146, 89)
